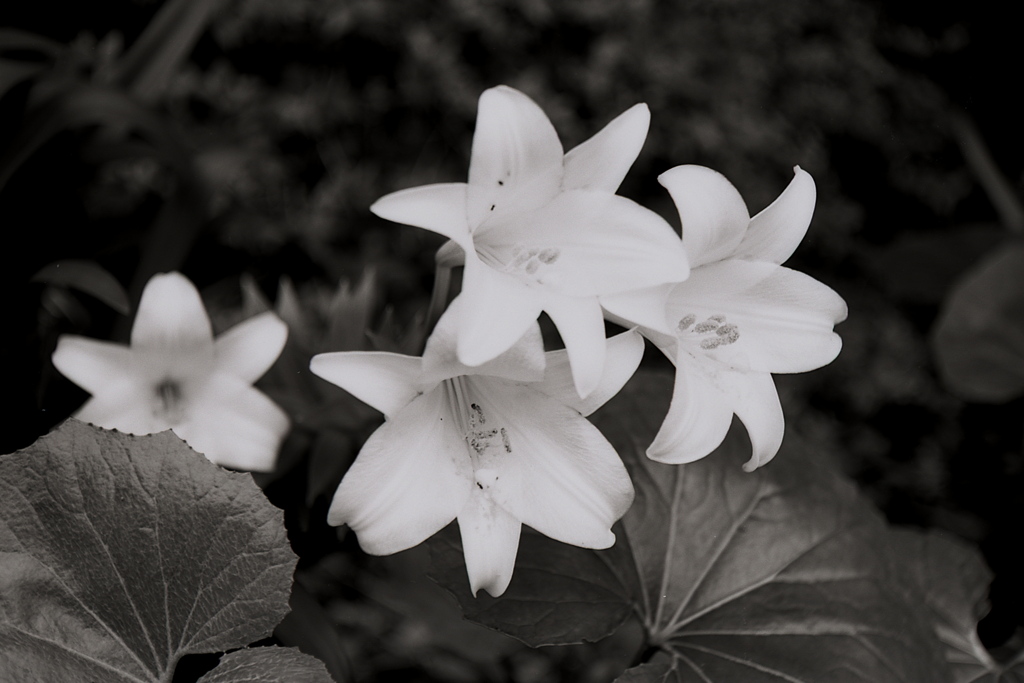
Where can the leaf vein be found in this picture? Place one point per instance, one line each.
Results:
(67, 589)
(733, 530)
(82, 655)
(738, 660)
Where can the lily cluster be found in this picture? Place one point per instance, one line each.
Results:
(486, 427)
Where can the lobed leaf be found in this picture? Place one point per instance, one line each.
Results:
(120, 554)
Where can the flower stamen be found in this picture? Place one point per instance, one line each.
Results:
(713, 332)
(170, 401)
(470, 419)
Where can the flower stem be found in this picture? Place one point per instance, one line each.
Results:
(439, 297)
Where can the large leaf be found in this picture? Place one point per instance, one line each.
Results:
(782, 574)
(979, 337)
(954, 580)
(120, 554)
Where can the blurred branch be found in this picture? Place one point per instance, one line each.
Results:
(999, 190)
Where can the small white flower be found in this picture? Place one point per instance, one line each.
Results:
(176, 376)
(495, 446)
(739, 317)
(543, 231)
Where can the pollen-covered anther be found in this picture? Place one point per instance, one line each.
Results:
(519, 257)
(549, 255)
(686, 321)
(724, 335)
(530, 260)
(480, 440)
(505, 441)
(715, 331)
(476, 417)
(729, 333)
(706, 326)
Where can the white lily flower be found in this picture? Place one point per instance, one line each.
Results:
(176, 376)
(495, 446)
(543, 231)
(739, 317)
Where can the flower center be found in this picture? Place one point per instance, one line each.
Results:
(710, 333)
(170, 403)
(529, 264)
(485, 439)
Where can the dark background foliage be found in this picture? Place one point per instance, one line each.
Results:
(292, 117)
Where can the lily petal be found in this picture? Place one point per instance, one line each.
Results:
(234, 425)
(411, 478)
(592, 243)
(496, 312)
(624, 352)
(776, 232)
(249, 348)
(644, 307)
(523, 362)
(385, 381)
(124, 407)
(713, 213)
(516, 161)
(698, 417)
(490, 542)
(782, 319)
(758, 407)
(171, 315)
(602, 162)
(440, 208)
(553, 470)
(90, 363)
(581, 325)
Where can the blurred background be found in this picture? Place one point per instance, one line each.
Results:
(242, 142)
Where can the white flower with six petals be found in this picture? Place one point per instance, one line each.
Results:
(176, 376)
(495, 446)
(543, 231)
(739, 317)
